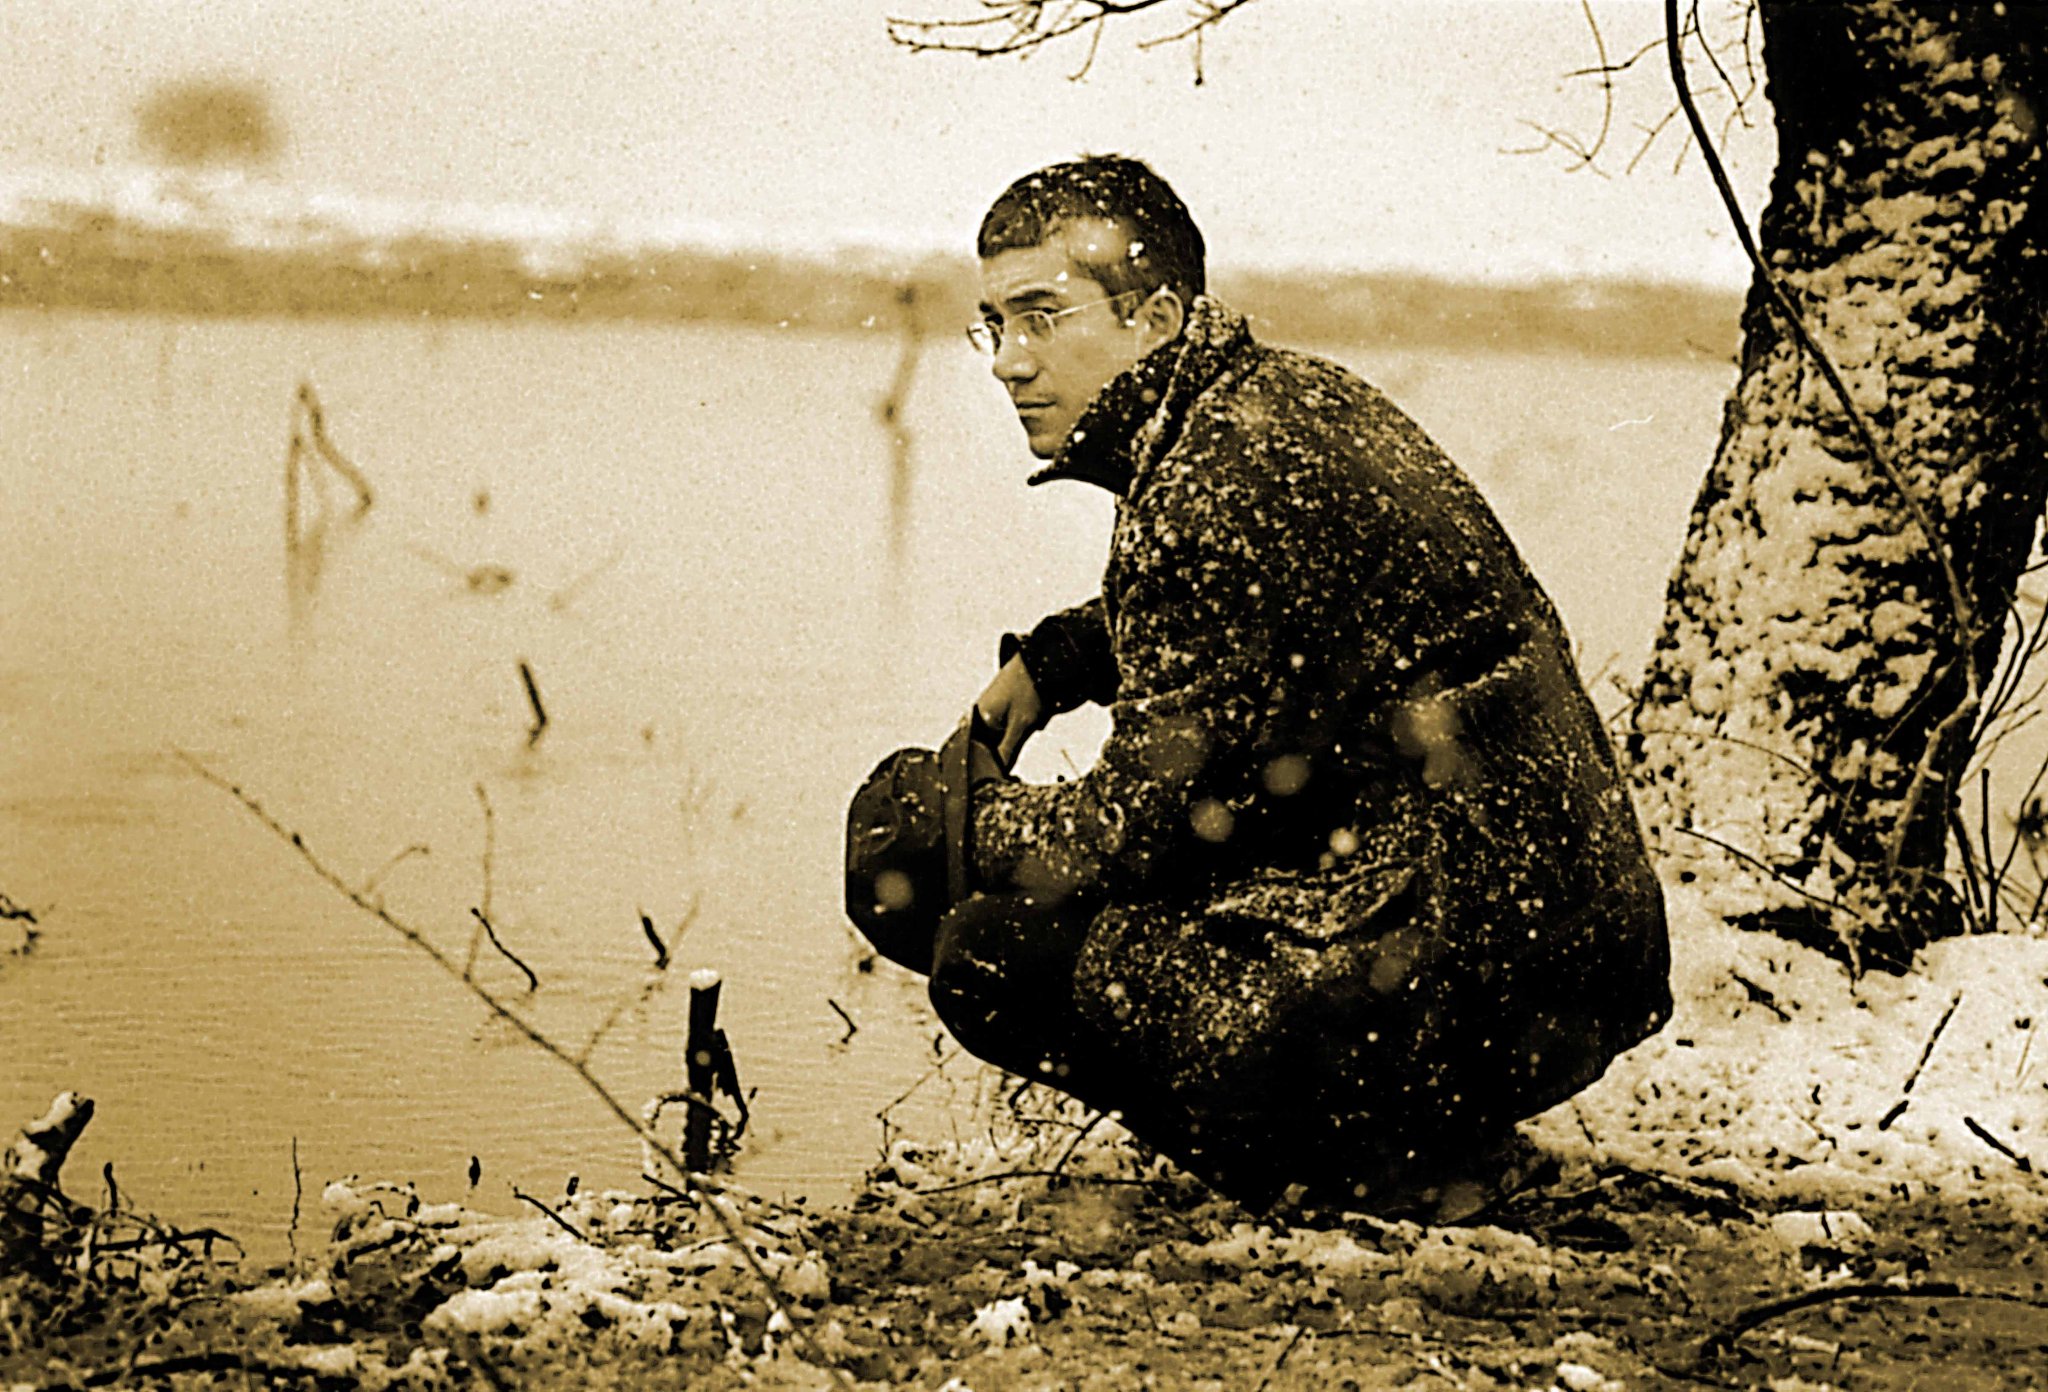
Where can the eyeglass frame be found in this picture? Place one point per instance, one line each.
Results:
(986, 334)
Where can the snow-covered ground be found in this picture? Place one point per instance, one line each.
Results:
(1780, 1075)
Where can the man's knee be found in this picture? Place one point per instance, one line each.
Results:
(906, 944)
(1001, 982)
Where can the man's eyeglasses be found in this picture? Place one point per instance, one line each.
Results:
(1031, 325)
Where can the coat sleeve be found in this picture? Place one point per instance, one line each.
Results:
(1068, 656)
(1195, 663)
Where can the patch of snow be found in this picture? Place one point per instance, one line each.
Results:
(1002, 1322)
(283, 1300)
(1807, 1108)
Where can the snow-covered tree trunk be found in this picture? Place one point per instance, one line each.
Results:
(1809, 707)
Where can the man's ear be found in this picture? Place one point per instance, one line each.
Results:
(1159, 319)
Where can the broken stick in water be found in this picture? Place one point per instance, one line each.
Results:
(654, 940)
(540, 712)
(316, 426)
(28, 1174)
(700, 1069)
(851, 1028)
(491, 932)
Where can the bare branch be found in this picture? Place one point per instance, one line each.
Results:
(1755, 1316)
(701, 1188)
(1607, 69)
(416, 848)
(1210, 13)
(1834, 905)
(489, 855)
(563, 1223)
(1565, 141)
(1650, 134)
(1606, 84)
(1020, 27)
(851, 1028)
(1927, 1050)
(539, 726)
(491, 932)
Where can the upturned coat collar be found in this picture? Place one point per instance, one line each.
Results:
(1138, 415)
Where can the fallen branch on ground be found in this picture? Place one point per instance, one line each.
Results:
(563, 1223)
(2026, 1165)
(1720, 1342)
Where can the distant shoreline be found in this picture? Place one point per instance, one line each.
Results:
(96, 259)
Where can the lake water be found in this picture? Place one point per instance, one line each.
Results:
(696, 523)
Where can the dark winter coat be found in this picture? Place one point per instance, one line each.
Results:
(1363, 870)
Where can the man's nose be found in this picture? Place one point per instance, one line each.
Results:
(1013, 362)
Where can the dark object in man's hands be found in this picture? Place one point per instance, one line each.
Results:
(907, 856)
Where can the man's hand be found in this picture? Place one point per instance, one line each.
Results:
(1011, 706)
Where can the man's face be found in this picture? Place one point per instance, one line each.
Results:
(1052, 376)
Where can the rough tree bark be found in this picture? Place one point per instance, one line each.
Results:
(1810, 703)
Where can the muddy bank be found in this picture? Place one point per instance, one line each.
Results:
(1119, 1275)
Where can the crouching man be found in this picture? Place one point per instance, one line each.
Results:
(1354, 884)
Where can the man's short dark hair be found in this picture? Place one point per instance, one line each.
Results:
(1165, 247)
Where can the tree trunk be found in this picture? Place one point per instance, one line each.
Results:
(1811, 702)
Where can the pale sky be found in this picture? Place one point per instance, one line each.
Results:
(1357, 133)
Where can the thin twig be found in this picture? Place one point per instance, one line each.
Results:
(1825, 902)
(1606, 83)
(654, 941)
(1928, 1051)
(851, 1028)
(291, 1233)
(1299, 1331)
(1088, 62)
(1650, 134)
(1749, 1319)
(1610, 70)
(490, 853)
(532, 981)
(1018, 28)
(1984, 830)
(1211, 13)
(416, 848)
(1761, 996)
(2026, 1165)
(539, 726)
(1727, 82)
(563, 1223)
(567, 595)
(1060, 1165)
(316, 422)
